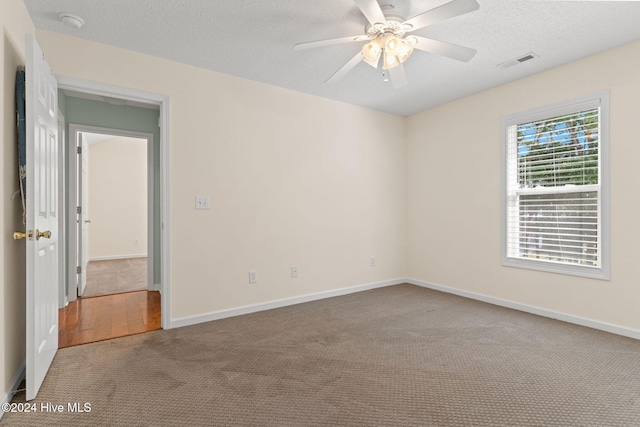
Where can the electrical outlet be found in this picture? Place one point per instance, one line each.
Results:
(373, 261)
(294, 271)
(253, 276)
(202, 202)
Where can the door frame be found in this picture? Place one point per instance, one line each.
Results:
(74, 130)
(62, 223)
(101, 89)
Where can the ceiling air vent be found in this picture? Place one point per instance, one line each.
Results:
(524, 58)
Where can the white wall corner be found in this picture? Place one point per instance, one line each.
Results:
(253, 308)
(544, 312)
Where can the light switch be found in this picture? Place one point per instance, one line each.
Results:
(202, 202)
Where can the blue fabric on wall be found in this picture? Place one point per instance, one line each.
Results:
(22, 135)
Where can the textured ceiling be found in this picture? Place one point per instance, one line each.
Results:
(254, 39)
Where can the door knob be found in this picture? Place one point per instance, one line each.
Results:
(45, 234)
(87, 221)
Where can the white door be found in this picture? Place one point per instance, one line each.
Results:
(42, 216)
(83, 216)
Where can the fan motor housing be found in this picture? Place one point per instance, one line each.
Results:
(393, 25)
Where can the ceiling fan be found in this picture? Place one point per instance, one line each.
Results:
(386, 33)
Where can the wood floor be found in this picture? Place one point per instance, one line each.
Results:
(111, 316)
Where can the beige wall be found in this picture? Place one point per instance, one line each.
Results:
(117, 190)
(15, 22)
(293, 180)
(454, 191)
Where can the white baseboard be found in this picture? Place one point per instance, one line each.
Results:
(15, 382)
(544, 312)
(238, 311)
(112, 257)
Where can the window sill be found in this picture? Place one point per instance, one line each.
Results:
(600, 273)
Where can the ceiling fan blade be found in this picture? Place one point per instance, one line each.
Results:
(346, 68)
(371, 10)
(328, 42)
(398, 77)
(450, 50)
(440, 13)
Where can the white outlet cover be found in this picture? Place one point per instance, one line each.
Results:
(203, 202)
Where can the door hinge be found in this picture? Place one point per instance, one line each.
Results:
(79, 209)
(79, 150)
(78, 269)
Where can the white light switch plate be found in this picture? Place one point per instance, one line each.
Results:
(202, 202)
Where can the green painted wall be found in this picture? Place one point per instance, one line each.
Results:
(62, 103)
(87, 112)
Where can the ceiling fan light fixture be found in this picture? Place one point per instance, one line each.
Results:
(374, 63)
(372, 52)
(389, 61)
(385, 35)
(391, 44)
(404, 51)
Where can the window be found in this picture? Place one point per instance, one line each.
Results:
(555, 201)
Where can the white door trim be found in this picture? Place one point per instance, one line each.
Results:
(162, 101)
(62, 223)
(74, 130)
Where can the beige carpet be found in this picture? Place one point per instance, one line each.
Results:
(397, 356)
(115, 276)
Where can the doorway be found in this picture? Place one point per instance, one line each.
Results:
(114, 202)
(113, 199)
(124, 310)
(113, 196)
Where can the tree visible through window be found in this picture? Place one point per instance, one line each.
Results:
(553, 209)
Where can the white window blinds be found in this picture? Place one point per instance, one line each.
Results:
(553, 180)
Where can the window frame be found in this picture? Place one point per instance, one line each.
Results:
(600, 99)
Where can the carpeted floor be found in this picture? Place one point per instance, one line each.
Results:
(396, 356)
(115, 276)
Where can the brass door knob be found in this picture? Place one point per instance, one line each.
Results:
(45, 234)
